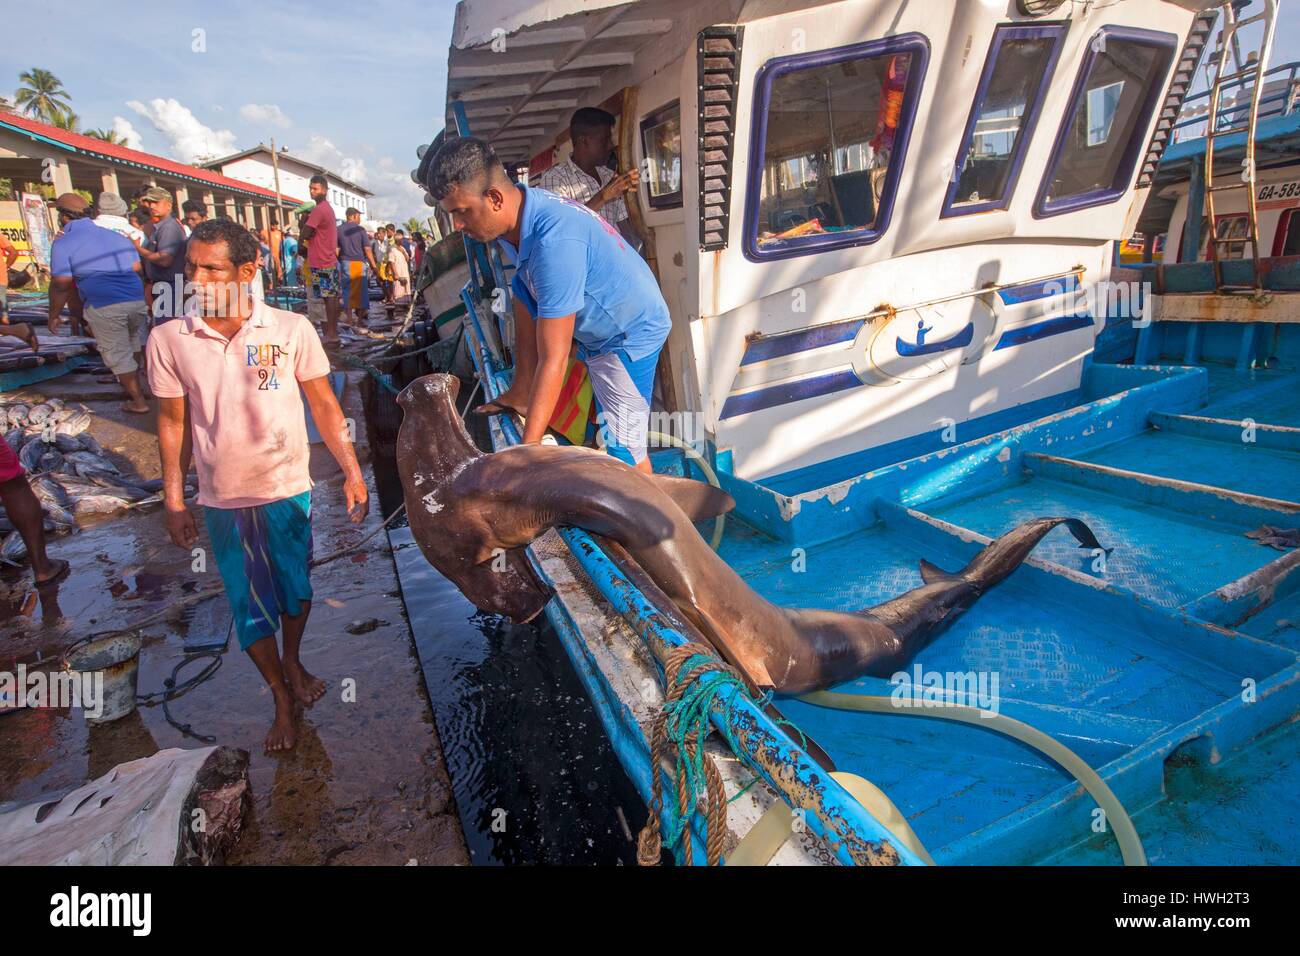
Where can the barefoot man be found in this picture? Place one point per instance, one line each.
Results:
(575, 278)
(233, 372)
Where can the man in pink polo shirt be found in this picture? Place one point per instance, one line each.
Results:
(235, 371)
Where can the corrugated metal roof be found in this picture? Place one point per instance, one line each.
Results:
(99, 149)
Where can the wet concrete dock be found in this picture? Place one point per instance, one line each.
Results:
(367, 781)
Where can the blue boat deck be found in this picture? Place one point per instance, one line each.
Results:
(1169, 664)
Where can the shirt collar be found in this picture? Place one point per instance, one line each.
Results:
(583, 173)
(527, 214)
(260, 319)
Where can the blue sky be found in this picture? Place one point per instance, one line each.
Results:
(353, 86)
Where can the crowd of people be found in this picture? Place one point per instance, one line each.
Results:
(179, 304)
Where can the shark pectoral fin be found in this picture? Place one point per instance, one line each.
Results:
(751, 666)
(698, 499)
(933, 574)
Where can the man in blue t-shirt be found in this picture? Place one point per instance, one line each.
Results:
(104, 268)
(575, 279)
(163, 252)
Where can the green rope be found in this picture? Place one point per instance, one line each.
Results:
(689, 715)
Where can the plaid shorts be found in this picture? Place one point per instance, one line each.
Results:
(325, 283)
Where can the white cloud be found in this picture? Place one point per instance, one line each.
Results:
(188, 138)
(123, 128)
(395, 196)
(267, 114)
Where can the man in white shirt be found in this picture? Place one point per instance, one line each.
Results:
(111, 213)
(583, 177)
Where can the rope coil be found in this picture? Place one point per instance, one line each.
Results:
(679, 731)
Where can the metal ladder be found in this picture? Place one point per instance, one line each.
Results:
(1252, 74)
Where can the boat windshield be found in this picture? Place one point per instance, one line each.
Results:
(1018, 71)
(829, 145)
(1097, 150)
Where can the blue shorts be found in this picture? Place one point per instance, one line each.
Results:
(264, 556)
(622, 388)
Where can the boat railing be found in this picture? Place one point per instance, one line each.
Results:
(1280, 97)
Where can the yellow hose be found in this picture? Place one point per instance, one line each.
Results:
(1130, 845)
(720, 523)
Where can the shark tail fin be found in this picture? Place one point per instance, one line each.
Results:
(1003, 555)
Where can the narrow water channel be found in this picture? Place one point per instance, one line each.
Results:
(535, 779)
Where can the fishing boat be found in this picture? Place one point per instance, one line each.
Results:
(888, 236)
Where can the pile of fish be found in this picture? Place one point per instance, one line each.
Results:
(67, 469)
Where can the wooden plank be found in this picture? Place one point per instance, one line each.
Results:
(1269, 307)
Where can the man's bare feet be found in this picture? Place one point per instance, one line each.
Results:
(281, 735)
(306, 688)
(140, 409)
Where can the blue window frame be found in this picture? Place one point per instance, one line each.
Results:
(838, 163)
(1120, 82)
(1008, 100)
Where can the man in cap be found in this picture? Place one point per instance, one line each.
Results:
(354, 255)
(164, 256)
(104, 268)
(111, 213)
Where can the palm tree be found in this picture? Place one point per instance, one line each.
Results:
(108, 136)
(413, 225)
(41, 94)
(5, 105)
(67, 120)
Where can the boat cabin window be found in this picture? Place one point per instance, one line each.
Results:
(1226, 227)
(831, 128)
(1016, 73)
(1097, 148)
(1291, 234)
(661, 146)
